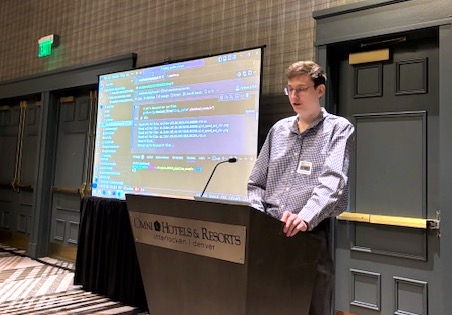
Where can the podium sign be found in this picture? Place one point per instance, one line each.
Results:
(216, 240)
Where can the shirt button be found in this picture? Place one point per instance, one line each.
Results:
(287, 189)
(291, 172)
(296, 153)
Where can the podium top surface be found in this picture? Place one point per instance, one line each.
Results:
(223, 201)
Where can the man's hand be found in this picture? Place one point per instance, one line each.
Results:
(293, 224)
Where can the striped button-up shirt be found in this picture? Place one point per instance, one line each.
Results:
(304, 173)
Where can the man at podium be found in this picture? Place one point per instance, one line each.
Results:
(301, 173)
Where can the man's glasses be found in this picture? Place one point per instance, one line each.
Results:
(297, 90)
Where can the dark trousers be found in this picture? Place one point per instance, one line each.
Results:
(322, 294)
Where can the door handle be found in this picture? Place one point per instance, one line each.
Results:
(81, 191)
(65, 190)
(14, 185)
(25, 187)
(417, 223)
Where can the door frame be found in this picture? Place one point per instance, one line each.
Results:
(47, 84)
(371, 18)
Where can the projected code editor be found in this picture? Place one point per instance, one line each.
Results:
(179, 118)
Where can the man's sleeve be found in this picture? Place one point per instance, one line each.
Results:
(258, 178)
(332, 181)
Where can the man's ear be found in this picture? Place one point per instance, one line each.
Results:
(320, 90)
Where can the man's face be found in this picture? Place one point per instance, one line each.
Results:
(303, 96)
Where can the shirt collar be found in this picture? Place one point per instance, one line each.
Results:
(320, 118)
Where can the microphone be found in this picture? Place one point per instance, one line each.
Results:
(230, 160)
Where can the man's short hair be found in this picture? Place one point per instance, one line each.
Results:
(316, 72)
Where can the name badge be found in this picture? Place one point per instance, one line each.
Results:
(304, 168)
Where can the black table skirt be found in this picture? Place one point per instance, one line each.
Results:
(106, 261)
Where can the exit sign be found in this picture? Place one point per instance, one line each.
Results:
(45, 45)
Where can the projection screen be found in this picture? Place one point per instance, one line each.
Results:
(162, 129)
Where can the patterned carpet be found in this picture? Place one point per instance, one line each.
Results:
(45, 286)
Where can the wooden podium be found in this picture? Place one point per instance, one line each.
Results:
(205, 258)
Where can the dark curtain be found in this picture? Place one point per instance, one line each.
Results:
(107, 262)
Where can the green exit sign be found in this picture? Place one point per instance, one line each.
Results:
(45, 45)
(45, 49)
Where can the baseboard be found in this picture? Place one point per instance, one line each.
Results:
(63, 252)
(16, 239)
